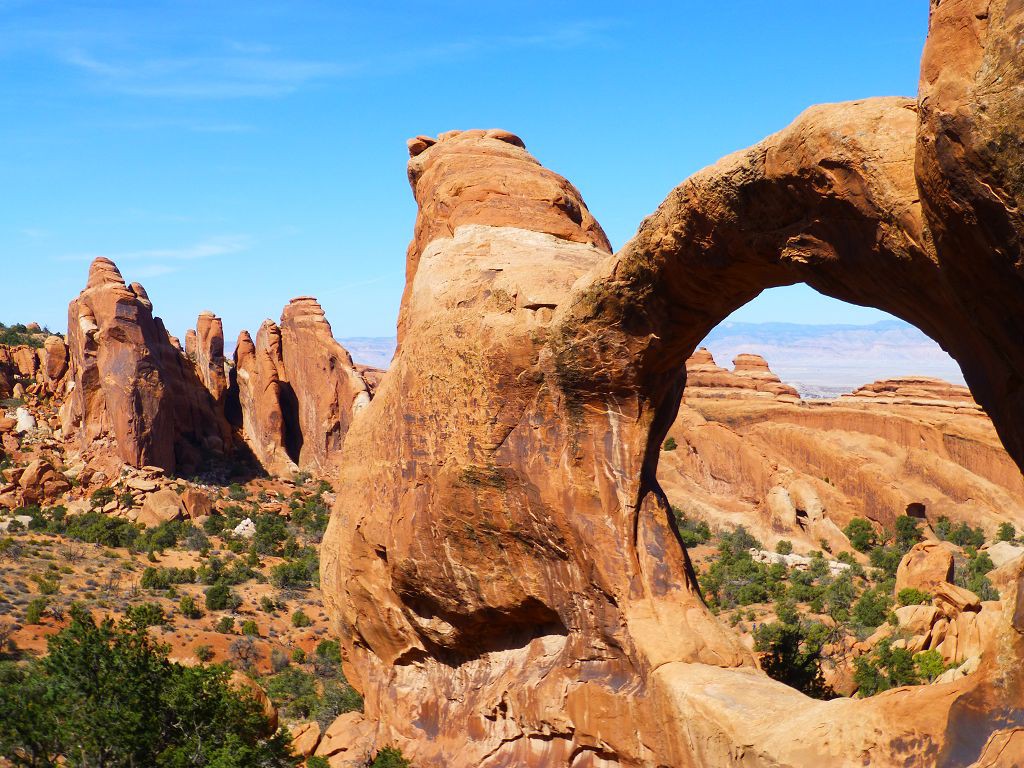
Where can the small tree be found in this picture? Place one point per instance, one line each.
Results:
(300, 619)
(245, 653)
(390, 757)
(34, 611)
(670, 444)
(101, 497)
(237, 493)
(146, 615)
(188, 607)
(908, 533)
(929, 664)
(250, 629)
(107, 695)
(886, 667)
(791, 651)
(861, 534)
(784, 547)
(1007, 532)
(872, 608)
(220, 597)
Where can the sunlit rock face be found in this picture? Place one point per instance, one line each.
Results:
(502, 564)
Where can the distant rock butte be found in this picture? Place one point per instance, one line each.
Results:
(750, 377)
(916, 391)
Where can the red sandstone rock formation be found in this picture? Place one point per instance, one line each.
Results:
(264, 398)
(502, 564)
(484, 179)
(7, 371)
(372, 376)
(208, 354)
(130, 385)
(298, 391)
(26, 361)
(328, 389)
(53, 358)
(969, 162)
(530, 593)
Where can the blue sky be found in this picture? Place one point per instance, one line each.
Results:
(230, 156)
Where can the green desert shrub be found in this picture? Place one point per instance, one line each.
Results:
(145, 710)
(861, 534)
(189, 609)
(913, 596)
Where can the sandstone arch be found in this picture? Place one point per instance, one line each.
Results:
(501, 564)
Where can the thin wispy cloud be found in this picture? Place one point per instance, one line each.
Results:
(147, 271)
(153, 262)
(177, 124)
(255, 70)
(206, 77)
(361, 283)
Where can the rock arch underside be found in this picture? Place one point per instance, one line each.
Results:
(502, 565)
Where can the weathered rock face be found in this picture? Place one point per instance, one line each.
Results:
(48, 365)
(328, 389)
(161, 507)
(40, 482)
(372, 376)
(26, 361)
(130, 385)
(927, 564)
(483, 178)
(7, 373)
(970, 169)
(502, 564)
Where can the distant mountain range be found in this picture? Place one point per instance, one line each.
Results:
(819, 360)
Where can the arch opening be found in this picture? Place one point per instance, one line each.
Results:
(796, 506)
